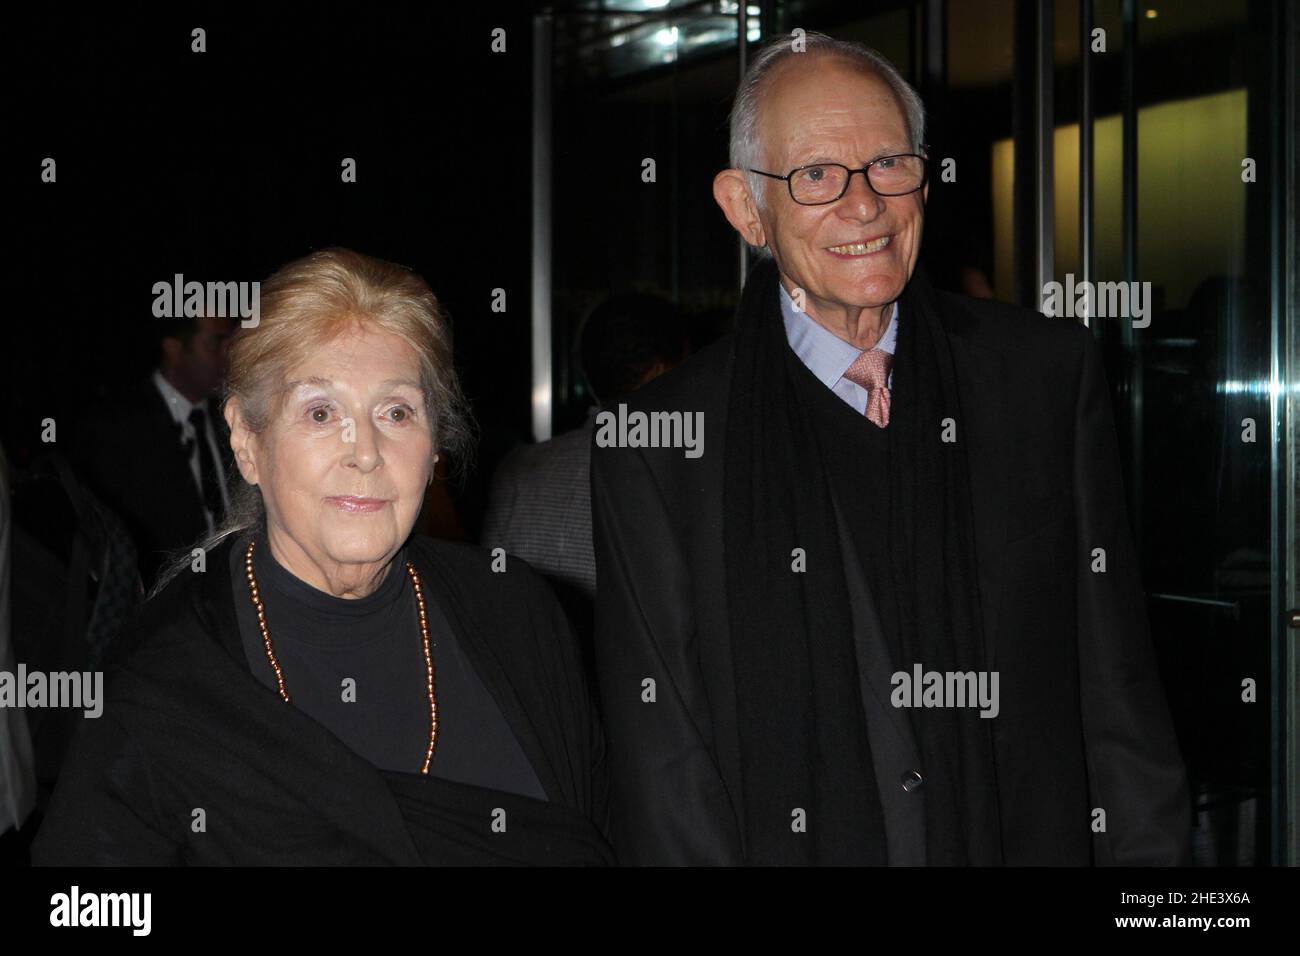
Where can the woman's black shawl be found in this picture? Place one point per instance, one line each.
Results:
(193, 761)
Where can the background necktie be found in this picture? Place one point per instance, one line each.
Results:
(207, 464)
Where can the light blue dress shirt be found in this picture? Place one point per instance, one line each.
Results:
(827, 355)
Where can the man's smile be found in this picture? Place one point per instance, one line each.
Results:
(855, 249)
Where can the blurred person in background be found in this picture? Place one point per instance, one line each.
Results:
(540, 506)
(159, 455)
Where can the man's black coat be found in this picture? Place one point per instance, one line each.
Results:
(1087, 731)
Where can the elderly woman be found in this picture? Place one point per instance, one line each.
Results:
(313, 685)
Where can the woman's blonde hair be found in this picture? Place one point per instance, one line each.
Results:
(306, 304)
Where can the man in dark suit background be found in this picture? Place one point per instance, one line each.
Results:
(540, 506)
(897, 483)
(159, 455)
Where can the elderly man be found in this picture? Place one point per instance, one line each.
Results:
(892, 615)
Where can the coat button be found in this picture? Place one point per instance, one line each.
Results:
(912, 780)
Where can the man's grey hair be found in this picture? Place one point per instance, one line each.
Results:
(745, 149)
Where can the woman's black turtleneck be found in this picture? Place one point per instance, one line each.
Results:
(321, 641)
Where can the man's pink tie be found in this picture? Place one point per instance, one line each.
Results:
(871, 371)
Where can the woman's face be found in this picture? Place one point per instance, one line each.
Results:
(344, 467)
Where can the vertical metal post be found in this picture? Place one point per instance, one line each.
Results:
(543, 398)
(1044, 126)
(934, 63)
(1086, 211)
(1284, 413)
(1132, 357)
(1129, 157)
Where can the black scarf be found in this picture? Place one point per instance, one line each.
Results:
(803, 739)
(186, 725)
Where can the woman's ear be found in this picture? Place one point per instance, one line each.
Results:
(242, 441)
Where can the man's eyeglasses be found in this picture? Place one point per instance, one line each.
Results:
(823, 183)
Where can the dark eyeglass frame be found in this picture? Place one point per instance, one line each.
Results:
(789, 185)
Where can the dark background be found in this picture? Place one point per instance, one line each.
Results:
(227, 164)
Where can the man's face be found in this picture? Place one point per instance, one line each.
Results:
(203, 360)
(825, 109)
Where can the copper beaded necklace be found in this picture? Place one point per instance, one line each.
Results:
(424, 634)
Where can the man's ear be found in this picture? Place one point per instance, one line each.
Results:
(242, 441)
(731, 192)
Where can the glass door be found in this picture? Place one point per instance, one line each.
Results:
(1188, 207)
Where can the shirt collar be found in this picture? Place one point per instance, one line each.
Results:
(178, 404)
(826, 354)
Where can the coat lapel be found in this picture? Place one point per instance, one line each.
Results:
(980, 383)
